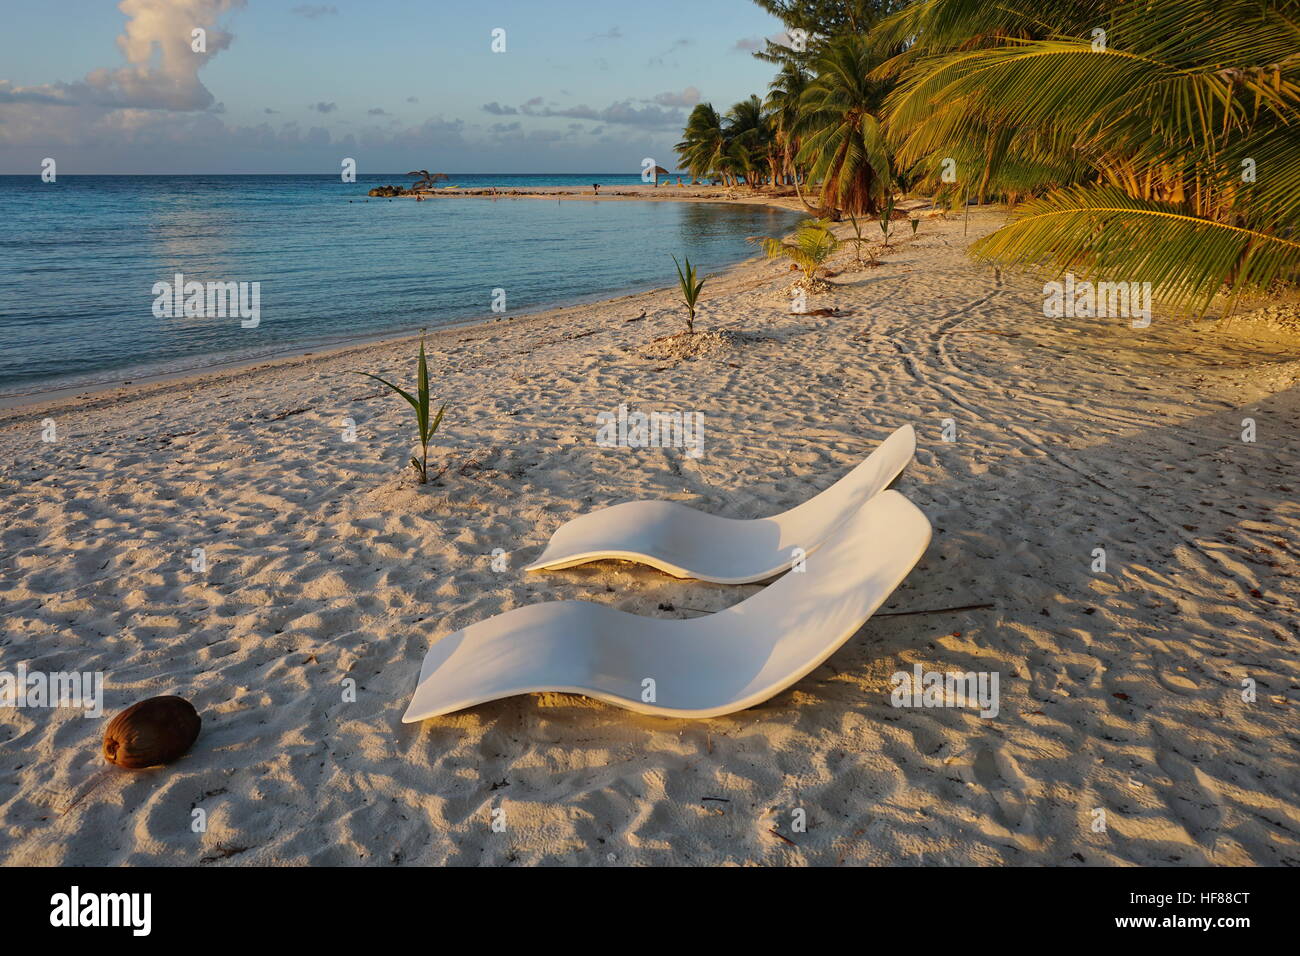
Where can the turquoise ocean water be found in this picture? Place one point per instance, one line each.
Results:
(79, 260)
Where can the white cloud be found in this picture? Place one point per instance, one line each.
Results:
(624, 112)
(687, 97)
(162, 70)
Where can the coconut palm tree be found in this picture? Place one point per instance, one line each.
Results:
(704, 144)
(783, 106)
(841, 141)
(1160, 140)
(749, 136)
(810, 246)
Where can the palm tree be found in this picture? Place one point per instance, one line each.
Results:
(1167, 152)
(783, 105)
(842, 144)
(704, 144)
(749, 137)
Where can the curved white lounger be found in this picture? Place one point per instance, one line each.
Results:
(701, 667)
(694, 544)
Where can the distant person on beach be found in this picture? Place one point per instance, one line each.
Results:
(595, 189)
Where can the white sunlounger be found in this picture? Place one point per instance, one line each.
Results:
(694, 544)
(702, 667)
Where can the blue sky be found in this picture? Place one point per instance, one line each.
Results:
(397, 84)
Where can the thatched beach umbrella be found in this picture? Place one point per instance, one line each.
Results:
(659, 170)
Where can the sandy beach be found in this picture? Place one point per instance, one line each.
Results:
(329, 568)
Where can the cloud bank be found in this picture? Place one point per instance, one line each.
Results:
(153, 113)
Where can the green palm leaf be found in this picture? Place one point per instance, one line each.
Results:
(422, 408)
(813, 243)
(400, 391)
(420, 403)
(690, 290)
(1136, 146)
(1101, 232)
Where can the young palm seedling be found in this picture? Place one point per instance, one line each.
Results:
(690, 291)
(420, 402)
(886, 214)
(813, 244)
(858, 241)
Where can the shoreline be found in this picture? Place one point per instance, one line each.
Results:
(13, 406)
(127, 381)
(125, 387)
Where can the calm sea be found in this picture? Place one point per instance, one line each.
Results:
(79, 259)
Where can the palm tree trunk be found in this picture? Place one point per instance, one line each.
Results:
(799, 192)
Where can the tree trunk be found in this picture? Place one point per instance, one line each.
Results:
(819, 213)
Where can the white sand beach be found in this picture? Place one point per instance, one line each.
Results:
(1121, 691)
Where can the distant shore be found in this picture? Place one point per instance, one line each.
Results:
(784, 198)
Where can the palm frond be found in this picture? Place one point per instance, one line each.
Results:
(811, 245)
(1101, 232)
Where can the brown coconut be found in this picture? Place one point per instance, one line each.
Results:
(152, 732)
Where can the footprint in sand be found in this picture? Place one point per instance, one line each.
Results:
(996, 772)
(928, 738)
(1193, 797)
